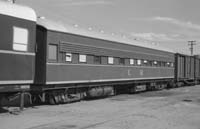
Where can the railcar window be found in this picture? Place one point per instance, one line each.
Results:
(131, 61)
(97, 59)
(159, 63)
(145, 61)
(172, 64)
(110, 60)
(68, 57)
(52, 54)
(20, 39)
(82, 58)
(150, 63)
(122, 61)
(139, 62)
(168, 64)
(162, 64)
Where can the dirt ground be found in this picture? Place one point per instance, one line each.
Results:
(168, 109)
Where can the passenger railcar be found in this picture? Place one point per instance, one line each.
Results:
(17, 48)
(73, 58)
(68, 57)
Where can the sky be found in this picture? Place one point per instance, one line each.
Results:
(168, 23)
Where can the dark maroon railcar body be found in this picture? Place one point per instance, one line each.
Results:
(17, 66)
(59, 71)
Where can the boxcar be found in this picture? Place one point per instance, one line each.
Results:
(197, 69)
(186, 69)
(17, 46)
(69, 57)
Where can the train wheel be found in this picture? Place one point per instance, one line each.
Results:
(57, 100)
(63, 100)
(52, 100)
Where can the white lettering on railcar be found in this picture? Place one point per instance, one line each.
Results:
(141, 72)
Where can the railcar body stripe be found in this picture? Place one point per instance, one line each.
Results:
(17, 53)
(94, 65)
(107, 80)
(16, 82)
(117, 49)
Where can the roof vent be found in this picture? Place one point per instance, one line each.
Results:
(76, 25)
(101, 31)
(41, 17)
(90, 28)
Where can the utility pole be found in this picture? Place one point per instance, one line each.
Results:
(191, 44)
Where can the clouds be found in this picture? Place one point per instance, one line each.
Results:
(177, 22)
(155, 36)
(156, 20)
(88, 2)
(172, 30)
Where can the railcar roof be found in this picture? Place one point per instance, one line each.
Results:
(67, 28)
(19, 11)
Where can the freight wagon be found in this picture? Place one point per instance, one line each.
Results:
(197, 69)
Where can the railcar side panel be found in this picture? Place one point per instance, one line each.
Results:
(17, 66)
(66, 41)
(185, 67)
(7, 24)
(58, 71)
(197, 68)
(62, 72)
(192, 69)
(71, 73)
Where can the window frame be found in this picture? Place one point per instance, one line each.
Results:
(17, 42)
(155, 63)
(145, 61)
(132, 61)
(110, 60)
(172, 64)
(68, 57)
(82, 58)
(98, 61)
(51, 59)
(139, 62)
(122, 61)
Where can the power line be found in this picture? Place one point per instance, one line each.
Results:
(191, 44)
